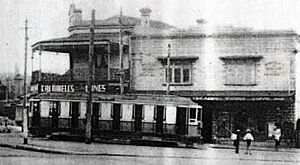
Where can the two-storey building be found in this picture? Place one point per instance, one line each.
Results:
(242, 78)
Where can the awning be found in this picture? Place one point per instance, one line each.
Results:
(67, 44)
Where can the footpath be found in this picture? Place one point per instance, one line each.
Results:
(15, 141)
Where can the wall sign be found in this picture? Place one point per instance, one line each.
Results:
(274, 68)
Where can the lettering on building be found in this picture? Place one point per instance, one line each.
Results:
(274, 68)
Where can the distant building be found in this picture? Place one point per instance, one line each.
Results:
(242, 78)
(3, 91)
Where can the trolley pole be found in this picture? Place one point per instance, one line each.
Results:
(121, 54)
(88, 134)
(25, 112)
(168, 76)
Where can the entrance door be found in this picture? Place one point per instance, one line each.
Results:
(95, 116)
(138, 116)
(74, 114)
(116, 115)
(36, 114)
(159, 119)
(54, 113)
(181, 121)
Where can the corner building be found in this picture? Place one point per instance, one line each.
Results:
(222, 80)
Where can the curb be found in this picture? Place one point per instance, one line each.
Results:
(255, 149)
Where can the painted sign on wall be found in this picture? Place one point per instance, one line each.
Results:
(274, 68)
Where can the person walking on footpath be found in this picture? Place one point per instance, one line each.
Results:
(248, 138)
(277, 137)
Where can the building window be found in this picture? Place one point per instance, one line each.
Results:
(179, 74)
(240, 71)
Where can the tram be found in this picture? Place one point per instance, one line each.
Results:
(164, 116)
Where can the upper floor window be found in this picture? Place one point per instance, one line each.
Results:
(240, 71)
(179, 74)
(180, 69)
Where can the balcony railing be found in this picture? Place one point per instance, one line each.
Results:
(79, 75)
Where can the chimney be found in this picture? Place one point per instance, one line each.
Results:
(75, 16)
(145, 13)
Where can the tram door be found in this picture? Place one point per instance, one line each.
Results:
(116, 115)
(95, 116)
(54, 113)
(181, 121)
(74, 114)
(36, 114)
(159, 119)
(138, 116)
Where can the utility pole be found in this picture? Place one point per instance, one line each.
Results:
(88, 132)
(121, 54)
(168, 76)
(25, 112)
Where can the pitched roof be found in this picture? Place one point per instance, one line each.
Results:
(127, 21)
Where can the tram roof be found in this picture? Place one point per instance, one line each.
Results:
(148, 99)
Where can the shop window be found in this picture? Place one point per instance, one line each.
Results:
(155, 112)
(179, 74)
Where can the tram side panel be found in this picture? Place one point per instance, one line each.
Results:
(155, 119)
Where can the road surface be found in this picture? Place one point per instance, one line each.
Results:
(174, 156)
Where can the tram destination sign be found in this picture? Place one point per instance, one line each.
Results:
(72, 88)
(102, 87)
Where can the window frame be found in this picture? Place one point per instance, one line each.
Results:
(181, 68)
(198, 115)
(164, 113)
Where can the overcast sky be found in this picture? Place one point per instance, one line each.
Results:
(49, 19)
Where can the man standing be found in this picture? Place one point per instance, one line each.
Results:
(277, 137)
(237, 141)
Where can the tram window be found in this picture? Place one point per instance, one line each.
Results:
(193, 114)
(54, 108)
(155, 112)
(138, 106)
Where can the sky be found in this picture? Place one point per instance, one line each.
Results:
(49, 19)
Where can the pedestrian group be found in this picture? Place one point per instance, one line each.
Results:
(249, 138)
